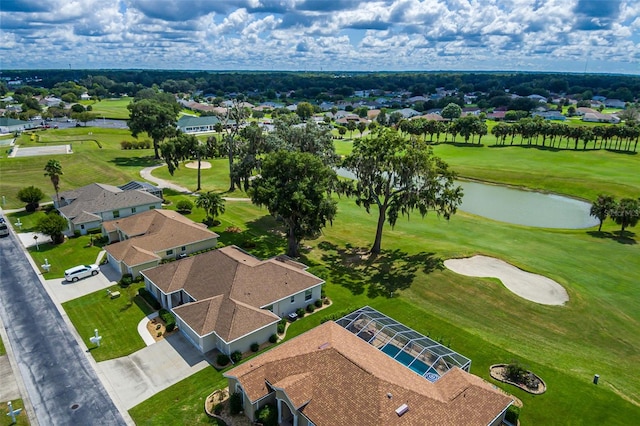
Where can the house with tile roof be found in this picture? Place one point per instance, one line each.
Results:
(227, 299)
(190, 124)
(87, 207)
(144, 240)
(330, 376)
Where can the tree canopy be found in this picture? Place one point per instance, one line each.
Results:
(32, 196)
(398, 177)
(602, 208)
(213, 205)
(626, 213)
(52, 225)
(156, 118)
(295, 186)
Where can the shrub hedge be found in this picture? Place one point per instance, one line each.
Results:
(168, 319)
(236, 357)
(222, 359)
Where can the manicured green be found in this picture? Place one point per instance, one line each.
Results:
(116, 320)
(112, 108)
(21, 419)
(182, 403)
(3, 351)
(89, 163)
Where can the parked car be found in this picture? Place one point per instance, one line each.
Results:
(80, 271)
(4, 229)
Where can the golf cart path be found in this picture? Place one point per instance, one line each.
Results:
(161, 183)
(533, 287)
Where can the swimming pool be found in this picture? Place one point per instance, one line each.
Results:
(416, 365)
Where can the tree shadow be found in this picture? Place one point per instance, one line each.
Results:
(462, 144)
(626, 237)
(381, 275)
(135, 161)
(263, 238)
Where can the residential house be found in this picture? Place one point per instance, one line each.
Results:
(144, 240)
(190, 124)
(330, 376)
(87, 207)
(549, 115)
(596, 117)
(10, 125)
(227, 300)
(408, 112)
(614, 103)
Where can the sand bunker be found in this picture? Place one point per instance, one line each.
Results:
(194, 165)
(533, 287)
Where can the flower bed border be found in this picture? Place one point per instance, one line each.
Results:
(518, 385)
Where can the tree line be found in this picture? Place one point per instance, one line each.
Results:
(625, 212)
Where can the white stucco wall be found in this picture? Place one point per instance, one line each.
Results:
(260, 336)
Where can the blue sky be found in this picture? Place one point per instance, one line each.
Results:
(599, 36)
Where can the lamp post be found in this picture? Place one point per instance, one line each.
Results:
(35, 238)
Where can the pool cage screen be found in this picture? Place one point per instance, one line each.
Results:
(424, 356)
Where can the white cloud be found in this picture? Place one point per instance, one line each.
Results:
(289, 34)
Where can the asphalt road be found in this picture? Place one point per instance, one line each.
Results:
(61, 384)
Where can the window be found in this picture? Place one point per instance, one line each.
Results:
(308, 294)
(169, 252)
(183, 248)
(116, 214)
(293, 298)
(81, 226)
(152, 207)
(133, 209)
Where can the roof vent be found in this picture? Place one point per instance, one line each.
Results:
(389, 395)
(402, 409)
(324, 345)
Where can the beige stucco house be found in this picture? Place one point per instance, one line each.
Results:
(329, 376)
(144, 240)
(226, 299)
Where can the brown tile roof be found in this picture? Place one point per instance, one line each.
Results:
(97, 198)
(226, 317)
(350, 382)
(153, 231)
(229, 274)
(237, 274)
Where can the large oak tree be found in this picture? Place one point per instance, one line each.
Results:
(155, 117)
(296, 186)
(398, 176)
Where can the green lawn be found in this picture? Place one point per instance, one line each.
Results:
(185, 398)
(74, 251)
(112, 108)
(116, 320)
(3, 351)
(495, 325)
(89, 163)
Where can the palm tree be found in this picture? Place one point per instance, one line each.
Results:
(602, 208)
(627, 213)
(53, 169)
(213, 205)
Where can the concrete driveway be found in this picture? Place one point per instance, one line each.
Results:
(63, 291)
(139, 376)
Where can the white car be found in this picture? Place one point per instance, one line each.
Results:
(81, 271)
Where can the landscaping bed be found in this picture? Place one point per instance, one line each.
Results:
(527, 381)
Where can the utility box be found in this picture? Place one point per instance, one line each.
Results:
(595, 379)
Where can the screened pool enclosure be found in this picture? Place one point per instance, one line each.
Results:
(424, 356)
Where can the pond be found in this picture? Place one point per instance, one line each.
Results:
(520, 207)
(525, 207)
